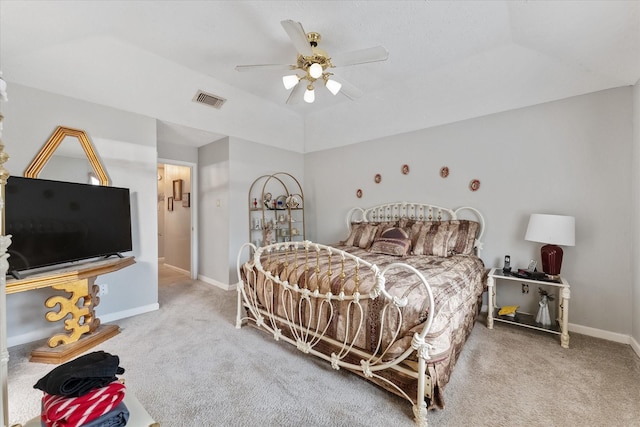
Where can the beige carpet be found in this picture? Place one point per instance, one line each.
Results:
(189, 366)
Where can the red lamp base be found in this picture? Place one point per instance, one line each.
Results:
(551, 256)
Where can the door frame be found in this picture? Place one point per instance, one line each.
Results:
(193, 171)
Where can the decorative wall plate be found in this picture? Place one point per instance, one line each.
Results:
(359, 193)
(281, 202)
(474, 185)
(377, 178)
(444, 171)
(405, 169)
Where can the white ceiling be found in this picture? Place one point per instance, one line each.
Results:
(448, 61)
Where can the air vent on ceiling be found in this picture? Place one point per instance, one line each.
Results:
(209, 99)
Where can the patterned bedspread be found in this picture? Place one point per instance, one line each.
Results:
(456, 282)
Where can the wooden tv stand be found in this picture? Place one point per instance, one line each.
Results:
(83, 327)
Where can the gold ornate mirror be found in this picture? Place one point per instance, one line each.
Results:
(34, 169)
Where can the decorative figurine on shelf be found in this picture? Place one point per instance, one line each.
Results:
(267, 200)
(292, 202)
(543, 312)
(267, 235)
(255, 203)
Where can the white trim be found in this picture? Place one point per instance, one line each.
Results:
(217, 284)
(47, 332)
(112, 317)
(34, 335)
(194, 210)
(600, 333)
(634, 345)
(173, 267)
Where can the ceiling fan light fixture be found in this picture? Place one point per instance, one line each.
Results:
(333, 86)
(309, 95)
(315, 70)
(290, 81)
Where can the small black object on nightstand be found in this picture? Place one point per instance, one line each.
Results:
(507, 264)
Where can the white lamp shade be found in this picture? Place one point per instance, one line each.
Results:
(290, 81)
(333, 86)
(552, 229)
(309, 95)
(315, 70)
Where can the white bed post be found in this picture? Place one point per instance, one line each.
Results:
(420, 408)
(4, 266)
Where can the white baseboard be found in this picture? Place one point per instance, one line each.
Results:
(217, 284)
(48, 332)
(173, 267)
(599, 333)
(634, 345)
(35, 335)
(112, 317)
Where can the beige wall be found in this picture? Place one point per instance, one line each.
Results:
(177, 221)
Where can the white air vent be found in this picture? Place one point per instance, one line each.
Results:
(209, 99)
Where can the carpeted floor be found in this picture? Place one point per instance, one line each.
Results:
(189, 366)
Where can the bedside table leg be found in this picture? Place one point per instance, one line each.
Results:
(564, 337)
(490, 300)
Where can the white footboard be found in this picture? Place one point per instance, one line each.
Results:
(295, 305)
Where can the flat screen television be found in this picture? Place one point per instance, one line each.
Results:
(54, 222)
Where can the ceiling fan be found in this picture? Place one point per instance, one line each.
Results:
(314, 64)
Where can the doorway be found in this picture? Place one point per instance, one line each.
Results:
(176, 217)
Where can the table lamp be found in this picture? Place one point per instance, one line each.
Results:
(553, 230)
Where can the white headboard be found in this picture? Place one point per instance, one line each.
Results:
(416, 211)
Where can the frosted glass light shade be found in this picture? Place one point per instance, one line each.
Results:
(290, 81)
(315, 70)
(552, 229)
(333, 86)
(309, 95)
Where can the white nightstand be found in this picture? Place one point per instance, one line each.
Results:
(524, 319)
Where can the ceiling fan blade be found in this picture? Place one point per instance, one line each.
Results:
(296, 94)
(349, 90)
(265, 67)
(298, 37)
(362, 56)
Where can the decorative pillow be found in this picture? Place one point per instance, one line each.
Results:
(463, 236)
(432, 239)
(362, 235)
(407, 222)
(445, 238)
(393, 241)
(384, 225)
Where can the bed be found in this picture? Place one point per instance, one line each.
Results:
(394, 302)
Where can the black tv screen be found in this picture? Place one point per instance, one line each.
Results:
(53, 222)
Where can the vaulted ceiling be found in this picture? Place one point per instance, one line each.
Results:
(448, 61)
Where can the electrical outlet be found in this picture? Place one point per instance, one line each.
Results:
(525, 288)
(104, 289)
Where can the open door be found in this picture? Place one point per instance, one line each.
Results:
(176, 217)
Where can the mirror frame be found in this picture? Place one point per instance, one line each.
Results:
(47, 150)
